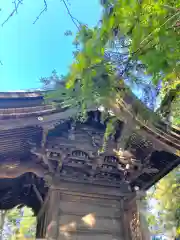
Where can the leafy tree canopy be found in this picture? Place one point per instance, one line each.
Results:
(150, 33)
(167, 195)
(18, 223)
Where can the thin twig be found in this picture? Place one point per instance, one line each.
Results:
(74, 20)
(13, 12)
(15, 6)
(171, 8)
(68, 2)
(169, 19)
(141, 47)
(44, 10)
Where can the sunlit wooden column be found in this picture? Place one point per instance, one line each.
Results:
(125, 221)
(83, 212)
(134, 218)
(53, 214)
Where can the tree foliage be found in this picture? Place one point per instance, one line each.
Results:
(149, 35)
(2, 222)
(19, 223)
(166, 196)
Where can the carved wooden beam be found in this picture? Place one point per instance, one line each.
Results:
(159, 142)
(41, 153)
(43, 145)
(163, 139)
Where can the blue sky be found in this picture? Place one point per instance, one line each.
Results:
(29, 51)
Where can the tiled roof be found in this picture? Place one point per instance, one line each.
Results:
(20, 94)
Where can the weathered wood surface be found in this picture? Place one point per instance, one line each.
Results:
(88, 183)
(73, 155)
(83, 216)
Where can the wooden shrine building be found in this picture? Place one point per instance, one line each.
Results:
(52, 163)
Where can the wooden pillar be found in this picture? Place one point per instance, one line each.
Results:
(53, 211)
(125, 221)
(134, 222)
(86, 212)
(39, 228)
(83, 212)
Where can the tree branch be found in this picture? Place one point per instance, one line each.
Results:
(171, 8)
(14, 11)
(44, 10)
(169, 19)
(74, 20)
(15, 5)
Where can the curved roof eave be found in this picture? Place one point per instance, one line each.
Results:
(21, 94)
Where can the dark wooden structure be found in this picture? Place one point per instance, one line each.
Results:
(52, 163)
